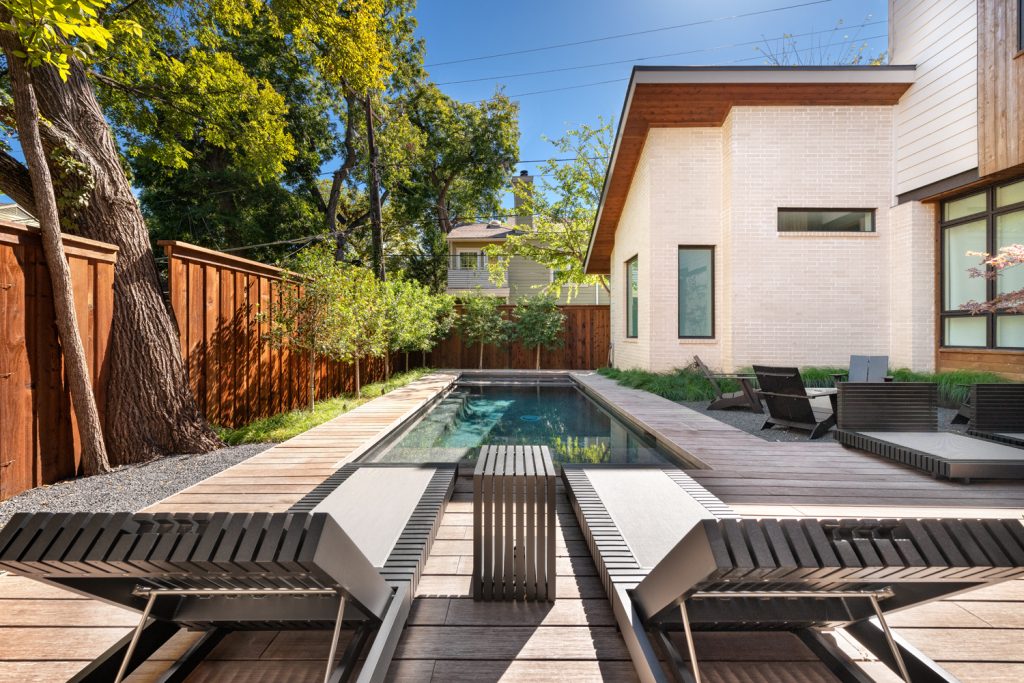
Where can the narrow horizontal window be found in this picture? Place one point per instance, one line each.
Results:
(826, 220)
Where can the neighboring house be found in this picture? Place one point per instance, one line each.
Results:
(15, 214)
(467, 265)
(800, 215)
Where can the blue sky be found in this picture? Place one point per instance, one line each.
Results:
(461, 29)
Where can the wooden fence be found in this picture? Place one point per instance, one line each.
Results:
(39, 441)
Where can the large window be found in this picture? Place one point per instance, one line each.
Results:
(826, 220)
(981, 222)
(696, 292)
(632, 298)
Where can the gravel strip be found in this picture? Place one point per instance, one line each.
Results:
(129, 488)
(751, 422)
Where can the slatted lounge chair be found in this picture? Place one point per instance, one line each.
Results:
(747, 397)
(998, 413)
(900, 421)
(350, 553)
(865, 369)
(674, 560)
(791, 404)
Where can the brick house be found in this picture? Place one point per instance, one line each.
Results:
(800, 215)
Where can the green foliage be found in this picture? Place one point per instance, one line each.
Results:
(411, 316)
(361, 311)
(571, 449)
(284, 426)
(564, 208)
(445, 318)
(538, 322)
(679, 385)
(481, 321)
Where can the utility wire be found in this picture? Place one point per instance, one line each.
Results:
(587, 41)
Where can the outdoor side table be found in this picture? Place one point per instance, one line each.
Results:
(514, 524)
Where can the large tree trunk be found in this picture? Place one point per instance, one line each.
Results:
(90, 431)
(153, 412)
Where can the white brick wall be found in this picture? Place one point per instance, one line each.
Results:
(787, 298)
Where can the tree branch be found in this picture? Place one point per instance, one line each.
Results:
(16, 183)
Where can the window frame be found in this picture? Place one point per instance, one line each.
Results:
(810, 209)
(990, 216)
(634, 259)
(696, 247)
(1020, 28)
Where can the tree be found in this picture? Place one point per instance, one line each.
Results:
(307, 317)
(538, 322)
(481, 322)
(466, 151)
(149, 394)
(39, 36)
(992, 268)
(564, 208)
(362, 318)
(837, 47)
(412, 317)
(446, 315)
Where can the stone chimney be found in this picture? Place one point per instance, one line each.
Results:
(523, 177)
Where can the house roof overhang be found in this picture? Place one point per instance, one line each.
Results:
(691, 97)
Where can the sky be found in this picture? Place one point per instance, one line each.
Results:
(466, 29)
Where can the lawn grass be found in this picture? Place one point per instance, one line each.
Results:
(686, 384)
(284, 426)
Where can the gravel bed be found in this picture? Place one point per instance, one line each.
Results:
(129, 488)
(751, 422)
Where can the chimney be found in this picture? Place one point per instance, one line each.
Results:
(518, 219)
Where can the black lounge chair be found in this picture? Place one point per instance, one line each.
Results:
(747, 397)
(998, 413)
(865, 369)
(674, 560)
(791, 404)
(900, 421)
(351, 552)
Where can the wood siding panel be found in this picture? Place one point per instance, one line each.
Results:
(1000, 87)
(1007, 363)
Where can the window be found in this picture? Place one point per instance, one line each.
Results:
(470, 260)
(982, 222)
(1020, 25)
(632, 298)
(826, 220)
(696, 292)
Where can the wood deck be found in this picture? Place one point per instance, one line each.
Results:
(47, 634)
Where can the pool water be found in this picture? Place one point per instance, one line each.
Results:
(575, 428)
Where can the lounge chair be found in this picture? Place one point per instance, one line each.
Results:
(900, 421)
(998, 413)
(747, 397)
(351, 552)
(791, 404)
(865, 369)
(674, 559)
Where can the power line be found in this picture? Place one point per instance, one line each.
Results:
(587, 41)
(667, 54)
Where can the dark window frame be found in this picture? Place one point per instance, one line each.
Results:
(635, 259)
(989, 215)
(696, 247)
(809, 209)
(1020, 27)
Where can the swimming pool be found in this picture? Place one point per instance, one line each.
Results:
(553, 414)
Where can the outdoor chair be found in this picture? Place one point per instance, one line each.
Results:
(865, 369)
(791, 404)
(900, 421)
(998, 413)
(349, 553)
(675, 560)
(747, 397)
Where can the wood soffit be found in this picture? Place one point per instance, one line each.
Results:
(705, 105)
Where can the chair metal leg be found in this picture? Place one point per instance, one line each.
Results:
(691, 648)
(334, 640)
(888, 637)
(135, 638)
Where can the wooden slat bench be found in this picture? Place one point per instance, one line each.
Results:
(514, 524)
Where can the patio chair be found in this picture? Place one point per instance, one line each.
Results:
(676, 560)
(350, 553)
(900, 421)
(998, 413)
(791, 404)
(865, 369)
(747, 397)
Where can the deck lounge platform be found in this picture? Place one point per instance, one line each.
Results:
(47, 634)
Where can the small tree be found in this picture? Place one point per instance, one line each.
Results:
(481, 322)
(361, 312)
(539, 323)
(307, 318)
(410, 317)
(993, 267)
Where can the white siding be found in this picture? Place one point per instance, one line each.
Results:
(937, 120)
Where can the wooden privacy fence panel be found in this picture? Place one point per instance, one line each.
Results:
(39, 442)
(235, 374)
(587, 335)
